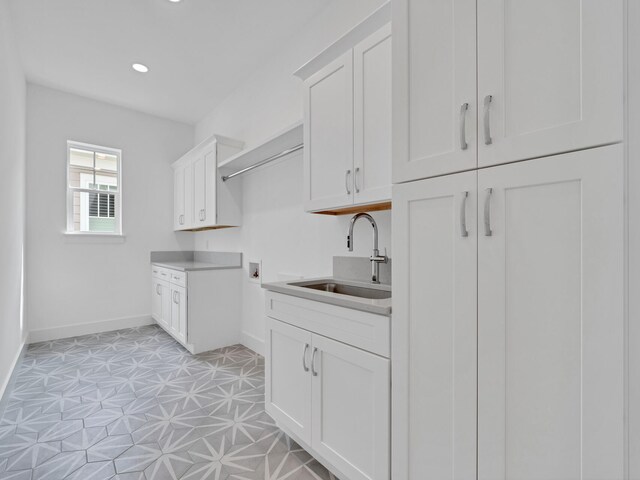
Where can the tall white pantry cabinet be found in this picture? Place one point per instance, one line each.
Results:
(509, 328)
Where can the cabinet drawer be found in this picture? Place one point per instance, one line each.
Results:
(160, 273)
(178, 278)
(364, 330)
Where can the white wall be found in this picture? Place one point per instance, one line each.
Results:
(275, 228)
(75, 282)
(12, 185)
(633, 185)
(12, 191)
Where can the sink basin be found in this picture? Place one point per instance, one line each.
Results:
(344, 289)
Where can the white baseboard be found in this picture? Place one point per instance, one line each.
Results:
(254, 343)
(67, 331)
(10, 375)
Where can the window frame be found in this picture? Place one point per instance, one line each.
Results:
(71, 190)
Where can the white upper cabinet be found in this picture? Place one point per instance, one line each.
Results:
(372, 118)
(551, 334)
(201, 199)
(328, 135)
(491, 82)
(553, 71)
(205, 187)
(347, 118)
(434, 88)
(179, 198)
(199, 190)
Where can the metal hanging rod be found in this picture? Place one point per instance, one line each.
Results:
(263, 162)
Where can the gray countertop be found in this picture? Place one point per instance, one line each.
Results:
(188, 266)
(377, 306)
(190, 261)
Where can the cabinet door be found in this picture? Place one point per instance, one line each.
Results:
(550, 318)
(211, 183)
(288, 378)
(554, 71)
(434, 78)
(199, 190)
(179, 312)
(328, 136)
(165, 294)
(350, 409)
(372, 118)
(156, 301)
(189, 192)
(434, 328)
(178, 198)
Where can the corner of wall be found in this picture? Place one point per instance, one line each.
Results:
(12, 193)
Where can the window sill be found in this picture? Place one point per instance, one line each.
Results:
(74, 237)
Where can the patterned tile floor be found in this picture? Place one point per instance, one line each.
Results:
(133, 404)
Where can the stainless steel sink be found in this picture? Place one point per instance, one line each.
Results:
(344, 289)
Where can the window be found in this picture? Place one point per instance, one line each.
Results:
(93, 189)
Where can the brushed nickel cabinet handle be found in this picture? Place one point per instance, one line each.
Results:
(487, 120)
(463, 127)
(355, 180)
(487, 212)
(346, 181)
(463, 215)
(304, 357)
(158, 289)
(313, 362)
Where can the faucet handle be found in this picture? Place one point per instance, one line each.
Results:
(377, 258)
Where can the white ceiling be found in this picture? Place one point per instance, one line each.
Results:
(197, 50)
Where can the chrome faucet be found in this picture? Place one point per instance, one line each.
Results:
(376, 258)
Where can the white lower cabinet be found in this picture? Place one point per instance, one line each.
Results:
(508, 302)
(350, 409)
(156, 300)
(331, 397)
(289, 387)
(200, 309)
(161, 302)
(179, 312)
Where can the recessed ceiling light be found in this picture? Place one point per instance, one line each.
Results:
(175, 1)
(138, 67)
